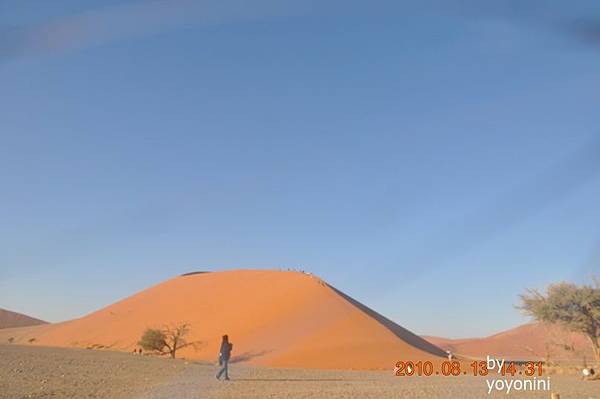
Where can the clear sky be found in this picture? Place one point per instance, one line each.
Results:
(432, 159)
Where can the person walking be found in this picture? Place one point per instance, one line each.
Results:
(224, 355)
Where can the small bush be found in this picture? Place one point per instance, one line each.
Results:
(11, 340)
(153, 340)
(167, 340)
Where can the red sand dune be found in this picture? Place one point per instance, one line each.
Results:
(528, 341)
(274, 318)
(10, 319)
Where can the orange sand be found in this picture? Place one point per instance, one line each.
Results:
(274, 318)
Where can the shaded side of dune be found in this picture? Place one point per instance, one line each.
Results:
(399, 331)
(10, 319)
(193, 273)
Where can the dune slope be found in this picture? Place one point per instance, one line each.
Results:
(275, 318)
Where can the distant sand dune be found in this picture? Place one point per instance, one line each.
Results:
(274, 318)
(10, 319)
(524, 342)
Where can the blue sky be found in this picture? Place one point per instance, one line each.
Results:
(431, 159)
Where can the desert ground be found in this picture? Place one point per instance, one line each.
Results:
(42, 372)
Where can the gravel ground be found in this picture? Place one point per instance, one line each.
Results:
(36, 372)
(254, 383)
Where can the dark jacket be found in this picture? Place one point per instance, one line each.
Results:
(226, 348)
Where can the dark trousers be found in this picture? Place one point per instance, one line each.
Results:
(224, 369)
